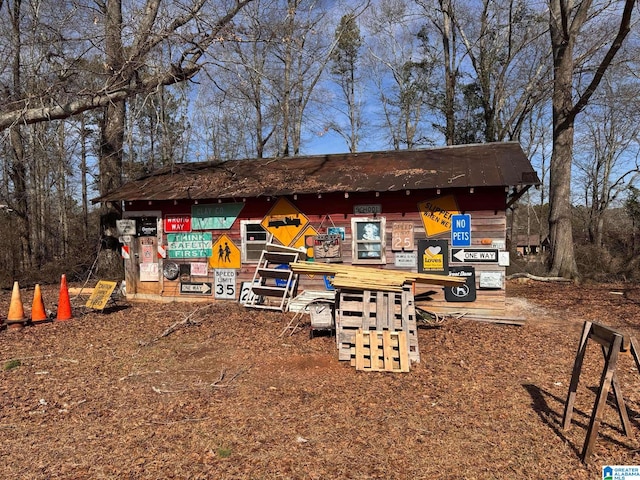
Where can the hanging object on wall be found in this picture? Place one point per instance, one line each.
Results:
(225, 254)
(327, 248)
(171, 270)
(218, 216)
(436, 214)
(402, 237)
(285, 222)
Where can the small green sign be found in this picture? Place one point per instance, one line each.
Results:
(189, 245)
(216, 216)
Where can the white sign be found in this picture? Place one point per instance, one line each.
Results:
(149, 272)
(247, 295)
(490, 280)
(225, 284)
(199, 269)
(485, 255)
(126, 226)
(406, 259)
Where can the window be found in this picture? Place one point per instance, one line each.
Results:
(368, 240)
(254, 239)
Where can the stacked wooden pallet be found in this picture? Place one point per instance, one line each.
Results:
(367, 278)
(381, 351)
(378, 311)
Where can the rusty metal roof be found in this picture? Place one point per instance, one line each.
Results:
(478, 165)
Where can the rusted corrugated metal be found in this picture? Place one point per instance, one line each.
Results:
(491, 164)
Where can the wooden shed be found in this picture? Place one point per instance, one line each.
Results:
(198, 230)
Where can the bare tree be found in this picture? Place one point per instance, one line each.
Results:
(566, 22)
(606, 154)
(345, 59)
(401, 73)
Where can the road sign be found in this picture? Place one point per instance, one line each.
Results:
(217, 216)
(101, 295)
(225, 284)
(474, 255)
(284, 221)
(461, 230)
(189, 245)
(436, 214)
(197, 288)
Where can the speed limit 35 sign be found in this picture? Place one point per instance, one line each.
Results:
(225, 284)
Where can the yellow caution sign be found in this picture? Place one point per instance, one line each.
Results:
(101, 295)
(225, 254)
(285, 222)
(436, 214)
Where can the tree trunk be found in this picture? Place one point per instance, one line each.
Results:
(110, 265)
(563, 262)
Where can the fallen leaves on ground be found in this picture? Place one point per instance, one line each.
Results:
(225, 395)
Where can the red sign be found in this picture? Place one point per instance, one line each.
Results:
(177, 223)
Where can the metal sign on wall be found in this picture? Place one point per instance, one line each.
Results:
(189, 245)
(177, 223)
(402, 236)
(284, 221)
(436, 214)
(465, 292)
(217, 216)
(225, 254)
(433, 256)
(225, 284)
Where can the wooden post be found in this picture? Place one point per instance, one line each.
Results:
(612, 343)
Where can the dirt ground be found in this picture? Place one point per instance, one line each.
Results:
(224, 396)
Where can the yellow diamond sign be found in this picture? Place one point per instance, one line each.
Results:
(284, 221)
(436, 214)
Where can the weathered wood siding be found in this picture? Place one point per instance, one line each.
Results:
(488, 223)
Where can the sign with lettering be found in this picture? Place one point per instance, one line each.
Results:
(147, 226)
(199, 269)
(149, 272)
(216, 216)
(177, 223)
(225, 254)
(101, 294)
(367, 209)
(225, 284)
(475, 255)
(327, 248)
(285, 222)
(433, 256)
(461, 230)
(195, 288)
(402, 236)
(405, 259)
(189, 245)
(436, 214)
(465, 292)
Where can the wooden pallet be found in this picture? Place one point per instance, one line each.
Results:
(375, 310)
(381, 351)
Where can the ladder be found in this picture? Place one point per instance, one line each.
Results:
(273, 279)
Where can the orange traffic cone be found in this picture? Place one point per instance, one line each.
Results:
(38, 313)
(16, 318)
(64, 304)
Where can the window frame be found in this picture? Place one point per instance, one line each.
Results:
(356, 241)
(245, 241)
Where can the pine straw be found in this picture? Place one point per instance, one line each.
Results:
(108, 395)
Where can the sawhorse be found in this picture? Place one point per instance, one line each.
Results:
(613, 343)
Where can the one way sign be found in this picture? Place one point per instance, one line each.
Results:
(476, 255)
